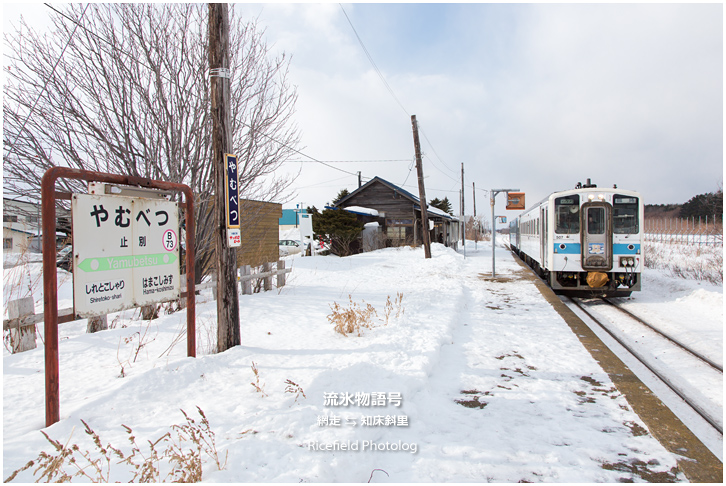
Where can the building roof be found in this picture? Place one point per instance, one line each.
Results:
(289, 217)
(394, 187)
(403, 192)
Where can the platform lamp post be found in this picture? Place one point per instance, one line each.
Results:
(492, 196)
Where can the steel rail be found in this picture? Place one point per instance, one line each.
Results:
(705, 415)
(698, 355)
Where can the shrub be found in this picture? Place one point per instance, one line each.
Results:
(353, 319)
(357, 317)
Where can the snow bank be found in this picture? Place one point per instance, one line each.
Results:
(493, 385)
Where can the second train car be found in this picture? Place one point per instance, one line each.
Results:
(585, 239)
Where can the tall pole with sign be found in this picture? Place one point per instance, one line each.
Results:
(225, 178)
(492, 196)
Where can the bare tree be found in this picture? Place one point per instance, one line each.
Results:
(130, 95)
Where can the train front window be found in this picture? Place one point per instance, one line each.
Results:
(567, 215)
(596, 221)
(625, 215)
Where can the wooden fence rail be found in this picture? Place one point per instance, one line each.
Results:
(21, 320)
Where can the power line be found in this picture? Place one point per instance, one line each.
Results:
(136, 60)
(390, 90)
(436, 153)
(115, 47)
(40, 95)
(370, 58)
(351, 161)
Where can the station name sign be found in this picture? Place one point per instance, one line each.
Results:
(231, 189)
(126, 253)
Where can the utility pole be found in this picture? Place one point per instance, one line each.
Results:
(421, 191)
(360, 182)
(463, 213)
(228, 331)
(473, 203)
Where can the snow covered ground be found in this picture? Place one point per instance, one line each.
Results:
(475, 380)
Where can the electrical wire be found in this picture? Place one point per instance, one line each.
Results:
(135, 59)
(423, 132)
(77, 24)
(351, 161)
(390, 90)
(370, 58)
(40, 95)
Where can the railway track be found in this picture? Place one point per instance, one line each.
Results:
(672, 339)
(648, 363)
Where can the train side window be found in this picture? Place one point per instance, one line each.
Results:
(567, 215)
(625, 214)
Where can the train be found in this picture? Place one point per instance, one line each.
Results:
(587, 240)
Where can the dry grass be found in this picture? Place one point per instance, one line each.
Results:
(397, 304)
(356, 317)
(691, 262)
(259, 387)
(177, 456)
(295, 389)
(352, 319)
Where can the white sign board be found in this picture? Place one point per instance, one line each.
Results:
(126, 253)
(306, 227)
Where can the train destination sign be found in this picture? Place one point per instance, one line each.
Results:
(126, 253)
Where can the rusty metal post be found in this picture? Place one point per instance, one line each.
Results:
(50, 297)
(50, 273)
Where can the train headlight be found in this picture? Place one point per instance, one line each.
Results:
(591, 197)
(631, 262)
(601, 197)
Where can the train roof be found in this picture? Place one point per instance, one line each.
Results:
(584, 190)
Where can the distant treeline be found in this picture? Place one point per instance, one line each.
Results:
(703, 205)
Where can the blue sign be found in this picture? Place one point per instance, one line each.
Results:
(231, 181)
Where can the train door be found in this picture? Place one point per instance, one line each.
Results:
(543, 236)
(597, 243)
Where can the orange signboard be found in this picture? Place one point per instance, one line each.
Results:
(515, 200)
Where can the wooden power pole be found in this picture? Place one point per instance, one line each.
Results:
(463, 213)
(228, 331)
(421, 191)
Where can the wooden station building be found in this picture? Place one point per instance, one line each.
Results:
(398, 214)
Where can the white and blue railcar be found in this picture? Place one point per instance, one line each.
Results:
(584, 239)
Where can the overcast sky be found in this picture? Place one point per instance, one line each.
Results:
(527, 96)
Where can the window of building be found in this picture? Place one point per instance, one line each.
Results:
(396, 232)
(7, 243)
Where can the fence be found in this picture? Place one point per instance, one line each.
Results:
(22, 319)
(688, 231)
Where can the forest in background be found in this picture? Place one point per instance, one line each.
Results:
(702, 205)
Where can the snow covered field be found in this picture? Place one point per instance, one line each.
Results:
(475, 380)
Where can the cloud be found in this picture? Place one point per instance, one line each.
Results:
(537, 97)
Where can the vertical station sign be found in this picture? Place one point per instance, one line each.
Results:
(126, 253)
(231, 185)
